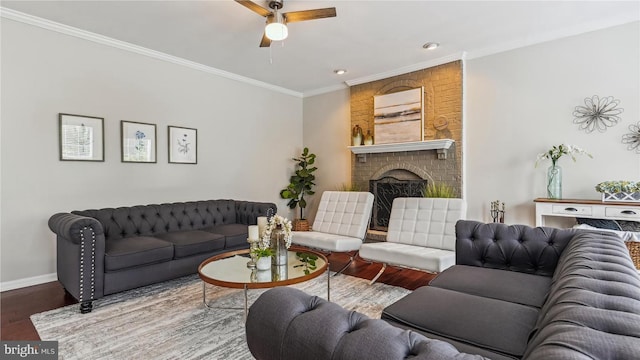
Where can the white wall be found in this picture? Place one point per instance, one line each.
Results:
(246, 137)
(519, 103)
(327, 134)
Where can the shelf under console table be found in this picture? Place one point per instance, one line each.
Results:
(596, 209)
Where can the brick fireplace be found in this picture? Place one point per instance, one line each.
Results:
(395, 165)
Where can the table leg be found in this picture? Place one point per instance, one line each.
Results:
(246, 302)
(204, 295)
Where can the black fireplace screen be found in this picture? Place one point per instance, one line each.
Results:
(385, 190)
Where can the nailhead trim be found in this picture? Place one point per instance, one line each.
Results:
(93, 262)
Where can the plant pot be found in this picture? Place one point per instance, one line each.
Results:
(300, 225)
(622, 196)
(263, 263)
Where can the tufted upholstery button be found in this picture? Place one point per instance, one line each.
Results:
(495, 240)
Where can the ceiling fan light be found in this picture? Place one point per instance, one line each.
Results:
(276, 31)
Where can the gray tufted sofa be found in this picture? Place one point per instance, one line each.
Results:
(516, 292)
(101, 252)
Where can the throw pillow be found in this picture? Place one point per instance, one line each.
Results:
(629, 225)
(600, 223)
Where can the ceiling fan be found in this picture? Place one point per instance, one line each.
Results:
(276, 28)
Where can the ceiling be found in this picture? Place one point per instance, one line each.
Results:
(370, 39)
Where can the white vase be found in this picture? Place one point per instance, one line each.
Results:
(263, 263)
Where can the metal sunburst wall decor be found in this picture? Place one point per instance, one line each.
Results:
(597, 113)
(632, 139)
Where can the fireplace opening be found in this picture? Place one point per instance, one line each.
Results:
(385, 190)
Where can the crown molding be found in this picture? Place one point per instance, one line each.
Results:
(122, 45)
(407, 69)
(324, 90)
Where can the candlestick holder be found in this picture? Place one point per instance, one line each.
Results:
(497, 211)
(253, 245)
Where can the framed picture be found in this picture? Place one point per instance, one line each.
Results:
(183, 145)
(81, 137)
(398, 117)
(138, 142)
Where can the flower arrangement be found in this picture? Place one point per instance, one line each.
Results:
(557, 151)
(273, 223)
(614, 187)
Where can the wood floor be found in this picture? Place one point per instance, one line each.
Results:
(16, 306)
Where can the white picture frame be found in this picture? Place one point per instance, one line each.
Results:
(138, 142)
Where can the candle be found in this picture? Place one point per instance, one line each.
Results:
(262, 224)
(253, 232)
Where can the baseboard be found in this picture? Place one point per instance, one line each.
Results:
(20, 283)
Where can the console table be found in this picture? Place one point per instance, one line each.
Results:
(596, 209)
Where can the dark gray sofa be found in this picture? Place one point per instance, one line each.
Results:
(101, 252)
(516, 292)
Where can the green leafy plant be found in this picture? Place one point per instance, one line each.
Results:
(260, 252)
(301, 183)
(308, 261)
(439, 190)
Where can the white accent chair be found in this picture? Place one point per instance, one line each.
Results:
(421, 235)
(340, 224)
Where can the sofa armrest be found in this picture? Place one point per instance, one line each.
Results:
(70, 226)
(286, 323)
(247, 212)
(510, 247)
(80, 256)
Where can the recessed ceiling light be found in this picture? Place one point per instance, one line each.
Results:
(431, 45)
(340, 71)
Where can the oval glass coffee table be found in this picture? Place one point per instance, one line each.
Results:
(230, 270)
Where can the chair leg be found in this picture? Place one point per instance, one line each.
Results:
(351, 257)
(369, 262)
(384, 267)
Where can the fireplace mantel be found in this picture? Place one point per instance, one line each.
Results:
(441, 145)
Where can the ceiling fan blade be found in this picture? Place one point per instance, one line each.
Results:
(254, 7)
(305, 15)
(265, 42)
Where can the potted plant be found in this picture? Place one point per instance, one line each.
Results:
(439, 190)
(301, 184)
(263, 256)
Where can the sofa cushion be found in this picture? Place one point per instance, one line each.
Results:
(187, 243)
(491, 324)
(235, 234)
(408, 255)
(495, 284)
(135, 251)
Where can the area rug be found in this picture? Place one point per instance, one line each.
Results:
(169, 321)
